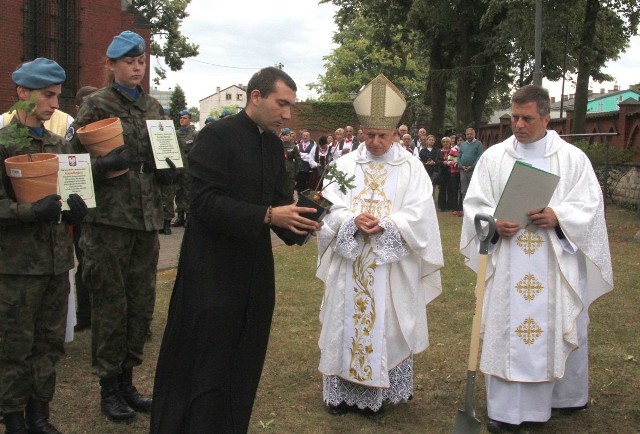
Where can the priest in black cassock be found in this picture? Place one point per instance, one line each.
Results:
(219, 319)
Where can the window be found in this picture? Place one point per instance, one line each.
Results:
(228, 97)
(51, 30)
(239, 97)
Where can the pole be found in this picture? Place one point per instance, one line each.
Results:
(564, 64)
(537, 72)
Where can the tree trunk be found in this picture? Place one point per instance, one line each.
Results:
(464, 113)
(482, 90)
(437, 87)
(587, 37)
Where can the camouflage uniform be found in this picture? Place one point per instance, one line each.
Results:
(35, 259)
(292, 163)
(186, 136)
(120, 236)
(168, 194)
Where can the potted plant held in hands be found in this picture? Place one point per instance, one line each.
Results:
(314, 199)
(33, 175)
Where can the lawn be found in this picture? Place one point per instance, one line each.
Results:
(290, 395)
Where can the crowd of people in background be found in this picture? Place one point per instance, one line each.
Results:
(448, 163)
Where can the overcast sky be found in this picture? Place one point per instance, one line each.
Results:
(238, 37)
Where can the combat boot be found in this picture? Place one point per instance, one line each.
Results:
(14, 423)
(180, 219)
(130, 394)
(37, 418)
(112, 404)
(166, 229)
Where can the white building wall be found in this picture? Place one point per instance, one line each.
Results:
(232, 96)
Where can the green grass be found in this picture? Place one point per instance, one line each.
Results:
(290, 395)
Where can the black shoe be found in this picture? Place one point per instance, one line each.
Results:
(180, 220)
(112, 404)
(495, 426)
(569, 410)
(136, 401)
(130, 394)
(37, 418)
(14, 423)
(340, 409)
(166, 229)
(369, 412)
(82, 325)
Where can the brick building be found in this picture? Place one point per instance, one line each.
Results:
(74, 33)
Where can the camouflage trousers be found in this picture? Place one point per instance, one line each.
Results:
(183, 192)
(33, 319)
(168, 194)
(120, 268)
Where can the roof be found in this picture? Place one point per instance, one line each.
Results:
(569, 103)
(239, 86)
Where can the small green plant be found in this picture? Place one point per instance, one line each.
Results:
(16, 133)
(333, 174)
(268, 425)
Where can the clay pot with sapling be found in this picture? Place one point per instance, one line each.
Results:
(314, 199)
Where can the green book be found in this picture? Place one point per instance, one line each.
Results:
(528, 188)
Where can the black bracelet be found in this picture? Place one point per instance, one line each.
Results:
(269, 215)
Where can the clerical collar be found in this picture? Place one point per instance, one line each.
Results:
(533, 149)
(37, 131)
(133, 93)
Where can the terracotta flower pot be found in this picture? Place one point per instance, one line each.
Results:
(33, 176)
(101, 137)
(307, 199)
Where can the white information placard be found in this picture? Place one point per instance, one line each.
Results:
(164, 143)
(75, 176)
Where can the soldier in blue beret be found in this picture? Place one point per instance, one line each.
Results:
(37, 256)
(209, 120)
(128, 44)
(38, 74)
(120, 235)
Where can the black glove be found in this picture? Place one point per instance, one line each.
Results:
(48, 209)
(167, 176)
(78, 209)
(117, 159)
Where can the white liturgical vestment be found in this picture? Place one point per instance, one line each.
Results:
(537, 284)
(373, 312)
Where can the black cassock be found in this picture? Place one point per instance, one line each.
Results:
(217, 330)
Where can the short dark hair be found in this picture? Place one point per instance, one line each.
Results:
(533, 93)
(83, 92)
(265, 81)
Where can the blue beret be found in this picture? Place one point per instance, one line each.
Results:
(127, 43)
(38, 74)
(166, 112)
(210, 119)
(286, 131)
(185, 112)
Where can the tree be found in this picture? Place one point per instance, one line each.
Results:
(606, 28)
(471, 54)
(195, 113)
(372, 38)
(167, 41)
(177, 103)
